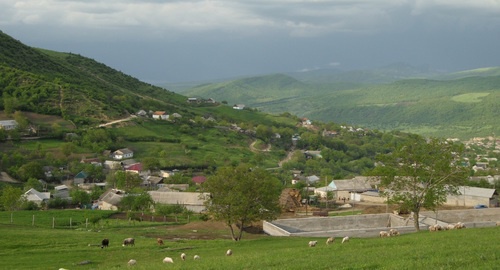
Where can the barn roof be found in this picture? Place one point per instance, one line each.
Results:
(199, 179)
(476, 191)
(355, 184)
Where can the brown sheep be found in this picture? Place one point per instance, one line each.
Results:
(159, 241)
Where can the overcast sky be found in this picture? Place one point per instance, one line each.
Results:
(187, 40)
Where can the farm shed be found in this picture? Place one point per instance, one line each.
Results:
(471, 196)
(191, 200)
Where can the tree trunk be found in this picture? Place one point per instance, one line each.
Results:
(415, 220)
(232, 232)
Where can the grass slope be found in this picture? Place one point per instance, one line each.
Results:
(28, 247)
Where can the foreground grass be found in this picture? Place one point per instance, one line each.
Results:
(27, 247)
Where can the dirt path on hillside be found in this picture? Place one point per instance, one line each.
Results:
(4, 177)
(118, 121)
(253, 149)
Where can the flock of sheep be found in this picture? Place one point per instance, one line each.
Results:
(437, 227)
(395, 232)
(329, 241)
(131, 242)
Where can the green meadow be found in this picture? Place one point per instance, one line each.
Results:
(25, 246)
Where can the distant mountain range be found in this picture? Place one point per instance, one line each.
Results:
(460, 104)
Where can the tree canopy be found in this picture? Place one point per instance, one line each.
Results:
(421, 173)
(242, 195)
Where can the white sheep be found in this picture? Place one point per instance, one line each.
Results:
(393, 232)
(312, 243)
(450, 227)
(435, 228)
(128, 242)
(196, 257)
(384, 234)
(330, 240)
(345, 239)
(229, 252)
(168, 260)
(183, 256)
(132, 262)
(459, 225)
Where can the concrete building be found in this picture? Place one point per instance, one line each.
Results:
(191, 200)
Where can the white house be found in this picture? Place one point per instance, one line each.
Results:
(239, 106)
(160, 115)
(122, 154)
(32, 195)
(8, 124)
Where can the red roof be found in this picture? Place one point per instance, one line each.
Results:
(134, 167)
(199, 179)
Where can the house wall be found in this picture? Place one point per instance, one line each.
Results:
(465, 200)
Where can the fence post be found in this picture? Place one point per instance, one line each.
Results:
(53, 222)
(70, 223)
(86, 223)
(33, 221)
(11, 217)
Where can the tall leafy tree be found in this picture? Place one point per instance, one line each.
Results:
(11, 198)
(242, 195)
(421, 173)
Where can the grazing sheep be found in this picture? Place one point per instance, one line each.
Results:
(159, 241)
(168, 260)
(128, 242)
(196, 257)
(183, 256)
(312, 243)
(229, 252)
(105, 243)
(330, 240)
(345, 239)
(384, 234)
(393, 232)
(132, 262)
(459, 225)
(435, 228)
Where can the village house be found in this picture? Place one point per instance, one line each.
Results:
(123, 153)
(160, 115)
(32, 195)
(8, 124)
(110, 199)
(239, 106)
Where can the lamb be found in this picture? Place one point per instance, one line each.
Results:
(393, 232)
(105, 243)
(345, 239)
(229, 252)
(450, 227)
(330, 240)
(196, 257)
(312, 243)
(159, 241)
(168, 260)
(128, 242)
(132, 262)
(183, 256)
(384, 234)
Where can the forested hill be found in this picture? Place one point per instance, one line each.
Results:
(461, 104)
(72, 86)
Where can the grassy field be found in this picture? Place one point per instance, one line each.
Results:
(41, 247)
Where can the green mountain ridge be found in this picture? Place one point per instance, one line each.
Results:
(461, 104)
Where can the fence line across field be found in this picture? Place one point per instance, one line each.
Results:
(130, 221)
